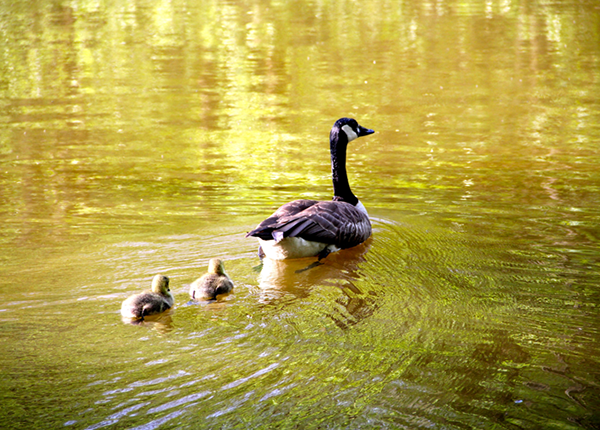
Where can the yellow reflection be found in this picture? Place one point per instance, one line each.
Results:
(161, 323)
(280, 277)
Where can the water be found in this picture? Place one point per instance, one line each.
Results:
(148, 137)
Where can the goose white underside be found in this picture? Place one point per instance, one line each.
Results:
(362, 208)
(293, 247)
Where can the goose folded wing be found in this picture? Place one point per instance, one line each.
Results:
(337, 223)
(295, 207)
(307, 225)
(331, 222)
(288, 213)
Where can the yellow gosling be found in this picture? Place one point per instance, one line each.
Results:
(212, 283)
(149, 302)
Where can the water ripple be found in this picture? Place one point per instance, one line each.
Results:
(159, 421)
(179, 402)
(254, 375)
(114, 418)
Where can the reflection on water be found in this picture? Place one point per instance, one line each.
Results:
(162, 323)
(149, 137)
(280, 278)
(293, 275)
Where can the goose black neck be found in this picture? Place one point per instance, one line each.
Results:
(338, 142)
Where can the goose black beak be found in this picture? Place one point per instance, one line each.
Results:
(364, 131)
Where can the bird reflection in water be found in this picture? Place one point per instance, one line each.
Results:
(280, 279)
(161, 323)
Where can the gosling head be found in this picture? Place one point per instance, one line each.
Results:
(160, 284)
(215, 265)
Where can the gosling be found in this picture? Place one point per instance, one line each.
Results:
(149, 302)
(212, 283)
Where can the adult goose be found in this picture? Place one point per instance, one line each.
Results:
(160, 299)
(309, 228)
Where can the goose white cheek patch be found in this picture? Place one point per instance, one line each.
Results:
(349, 132)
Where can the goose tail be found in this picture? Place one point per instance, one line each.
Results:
(280, 230)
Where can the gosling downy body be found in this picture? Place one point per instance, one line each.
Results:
(212, 283)
(311, 228)
(149, 302)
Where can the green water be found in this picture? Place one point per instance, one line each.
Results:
(147, 137)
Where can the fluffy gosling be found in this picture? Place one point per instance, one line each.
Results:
(212, 283)
(149, 302)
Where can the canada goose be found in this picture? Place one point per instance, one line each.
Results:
(309, 228)
(212, 283)
(149, 302)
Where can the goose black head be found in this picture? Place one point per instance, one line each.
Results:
(343, 131)
(350, 128)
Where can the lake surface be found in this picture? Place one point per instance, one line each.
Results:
(146, 137)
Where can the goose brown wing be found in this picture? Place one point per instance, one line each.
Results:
(281, 217)
(331, 222)
(340, 223)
